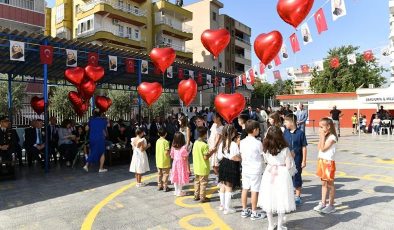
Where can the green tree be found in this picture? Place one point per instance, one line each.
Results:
(161, 106)
(283, 87)
(121, 103)
(18, 94)
(58, 101)
(346, 78)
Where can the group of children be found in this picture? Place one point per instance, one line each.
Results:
(277, 189)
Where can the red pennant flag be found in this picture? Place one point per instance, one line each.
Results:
(46, 54)
(368, 55)
(334, 62)
(244, 79)
(277, 75)
(130, 65)
(262, 68)
(199, 78)
(305, 68)
(294, 43)
(320, 21)
(216, 81)
(181, 74)
(252, 76)
(229, 84)
(156, 70)
(277, 60)
(93, 59)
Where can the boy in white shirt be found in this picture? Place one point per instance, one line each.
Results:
(251, 154)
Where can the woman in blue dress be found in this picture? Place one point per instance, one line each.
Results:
(97, 132)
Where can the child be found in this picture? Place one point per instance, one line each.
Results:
(326, 164)
(214, 140)
(363, 123)
(354, 123)
(296, 140)
(139, 162)
(276, 190)
(201, 155)
(242, 119)
(252, 168)
(275, 120)
(180, 169)
(229, 167)
(163, 161)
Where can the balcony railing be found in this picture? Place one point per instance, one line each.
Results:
(175, 47)
(242, 40)
(115, 4)
(114, 31)
(173, 24)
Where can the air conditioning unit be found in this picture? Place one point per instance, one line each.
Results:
(115, 21)
(371, 86)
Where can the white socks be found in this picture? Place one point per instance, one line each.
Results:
(178, 189)
(281, 218)
(222, 199)
(270, 218)
(227, 200)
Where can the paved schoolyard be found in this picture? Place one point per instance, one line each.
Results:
(73, 199)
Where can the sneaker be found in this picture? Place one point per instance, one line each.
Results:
(103, 170)
(229, 211)
(160, 188)
(166, 189)
(298, 200)
(182, 193)
(196, 198)
(257, 216)
(246, 213)
(142, 184)
(205, 200)
(86, 168)
(328, 209)
(220, 208)
(319, 207)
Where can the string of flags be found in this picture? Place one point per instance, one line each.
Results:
(338, 10)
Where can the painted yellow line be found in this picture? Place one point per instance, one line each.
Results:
(391, 161)
(89, 219)
(362, 165)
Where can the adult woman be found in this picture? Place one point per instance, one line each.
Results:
(67, 142)
(97, 132)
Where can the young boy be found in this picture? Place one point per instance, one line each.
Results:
(297, 144)
(201, 155)
(163, 160)
(354, 123)
(251, 150)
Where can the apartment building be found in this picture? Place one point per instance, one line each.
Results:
(302, 81)
(391, 37)
(23, 15)
(127, 24)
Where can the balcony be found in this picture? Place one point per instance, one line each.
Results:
(166, 6)
(239, 58)
(181, 51)
(391, 6)
(114, 10)
(174, 29)
(113, 35)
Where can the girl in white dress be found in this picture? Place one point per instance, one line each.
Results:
(215, 137)
(276, 189)
(139, 162)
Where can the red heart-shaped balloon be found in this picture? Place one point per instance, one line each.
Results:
(294, 11)
(187, 90)
(267, 46)
(75, 99)
(150, 92)
(94, 73)
(87, 89)
(229, 106)
(81, 109)
(162, 57)
(38, 104)
(74, 75)
(215, 41)
(103, 103)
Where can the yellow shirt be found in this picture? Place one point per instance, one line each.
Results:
(162, 159)
(354, 120)
(200, 165)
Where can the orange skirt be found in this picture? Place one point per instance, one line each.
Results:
(326, 169)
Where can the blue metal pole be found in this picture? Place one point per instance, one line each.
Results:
(46, 115)
(139, 62)
(10, 97)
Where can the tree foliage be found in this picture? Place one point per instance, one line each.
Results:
(283, 87)
(121, 103)
(58, 101)
(346, 78)
(161, 106)
(18, 94)
(263, 90)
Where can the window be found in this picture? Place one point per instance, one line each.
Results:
(137, 34)
(59, 13)
(120, 3)
(129, 32)
(220, 64)
(77, 9)
(129, 7)
(136, 10)
(89, 24)
(5, 1)
(214, 16)
(121, 28)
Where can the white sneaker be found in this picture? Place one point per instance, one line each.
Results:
(103, 170)
(328, 209)
(86, 168)
(319, 207)
(229, 211)
(142, 184)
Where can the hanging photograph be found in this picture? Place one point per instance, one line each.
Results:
(71, 58)
(283, 52)
(351, 59)
(113, 63)
(209, 80)
(338, 9)
(17, 51)
(144, 67)
(290, 72)
(306, 34)
(318, 65)
(223, 83)
(169, 72)
(191, 74)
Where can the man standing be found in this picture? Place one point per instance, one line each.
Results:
(262, 119)
(252, 114)
(335, 115)
(302, 117)
(287, 110)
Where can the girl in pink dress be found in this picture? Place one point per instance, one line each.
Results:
(180, 171)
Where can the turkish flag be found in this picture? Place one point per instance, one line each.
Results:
(305, 68)
(181, 74)
(130, 65)
(93, 59)
(199, 78)
(252, 76)
(368, 55)
(294, 43)
(46, 54)
(277, 60)
(334, 62)
(320, 21)
(238, 81)
(216, 81)
(156, 70)
(262, 68)
(277, 75)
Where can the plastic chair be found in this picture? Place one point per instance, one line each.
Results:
(386, 125)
